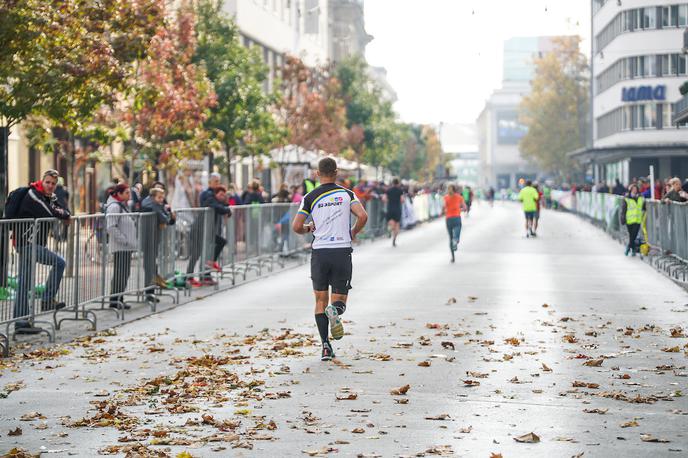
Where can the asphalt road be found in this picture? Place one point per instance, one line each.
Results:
(492, 348)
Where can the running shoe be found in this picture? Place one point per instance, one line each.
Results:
(454, 246)
(336, 326)
(327, 352)
(214, 265)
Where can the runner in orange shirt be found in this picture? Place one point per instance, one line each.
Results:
(453, 204)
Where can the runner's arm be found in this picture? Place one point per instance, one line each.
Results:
(299, 225)
(361, 218)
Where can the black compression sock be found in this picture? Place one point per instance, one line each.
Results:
(323, 326)
(340, 307)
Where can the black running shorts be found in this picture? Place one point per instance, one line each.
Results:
(331, 267)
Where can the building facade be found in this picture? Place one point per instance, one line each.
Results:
(638, 65)
(499, 129)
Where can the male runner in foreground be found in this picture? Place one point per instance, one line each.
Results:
(330, 207)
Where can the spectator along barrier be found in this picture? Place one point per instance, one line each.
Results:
(52, 271)
(666, 226)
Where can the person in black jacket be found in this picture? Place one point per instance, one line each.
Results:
(221, 210)
(39, 202)
(151, 227)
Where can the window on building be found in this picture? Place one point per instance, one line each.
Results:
(650, 118)
(666, 116)
(666, 16)
(681, 64)
(682, 15)
(674, 15)
(649, 16)
(626, 118)
(665, 64)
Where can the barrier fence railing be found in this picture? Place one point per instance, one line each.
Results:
(102, 262)
(666, 223)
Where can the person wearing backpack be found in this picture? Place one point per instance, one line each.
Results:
(38, 200)
(122, 241)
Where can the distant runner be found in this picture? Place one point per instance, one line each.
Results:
(330, 207)
(394, 196)
(529, 196)
(467, 194)
(453, 204)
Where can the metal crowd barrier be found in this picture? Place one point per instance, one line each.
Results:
(102, 262)
(667, 226)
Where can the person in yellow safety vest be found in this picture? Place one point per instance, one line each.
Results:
(311, 183)
(632, 208)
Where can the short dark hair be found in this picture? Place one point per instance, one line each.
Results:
(327, 167)
(395, 181)
(529, 183)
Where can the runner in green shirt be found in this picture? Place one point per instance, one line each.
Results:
(529, 197)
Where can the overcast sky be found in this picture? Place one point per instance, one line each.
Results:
(444, 57)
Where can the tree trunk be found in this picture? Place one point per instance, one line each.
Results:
(4, 234)
(228, 153)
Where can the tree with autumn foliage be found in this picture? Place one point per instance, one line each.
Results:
(63, 59)
(556, 111)
(311, 107)
(242, 119)
(370, 120)
(171, 98)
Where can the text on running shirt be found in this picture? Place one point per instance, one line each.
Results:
(329, 205)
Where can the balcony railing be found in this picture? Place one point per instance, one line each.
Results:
(681, 111)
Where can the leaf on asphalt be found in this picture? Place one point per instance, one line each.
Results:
(530, 438)
(358, 430)
(466, 430)
(402, 401)
(102, 393)
(496, 455)
(477, 374)
(31, 416)
(677, 332)
(630, 424)
(651, 438)
(400, 391)
(513, 341)
(471, 383)
(321, 452)
(20, 453)
(544, 306)
(433, 325)
(597, 411)
(440, 417)
(424, 364)
(381, 357)
(472, 298)
(546, 368)
(594, 362)
(448, 345)
(570, 338)
(15, 432)
(347, 397)
(579, 384)
(184, 455)
(154, 349)
(438, 450)
(675, 349)
(451, 300)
